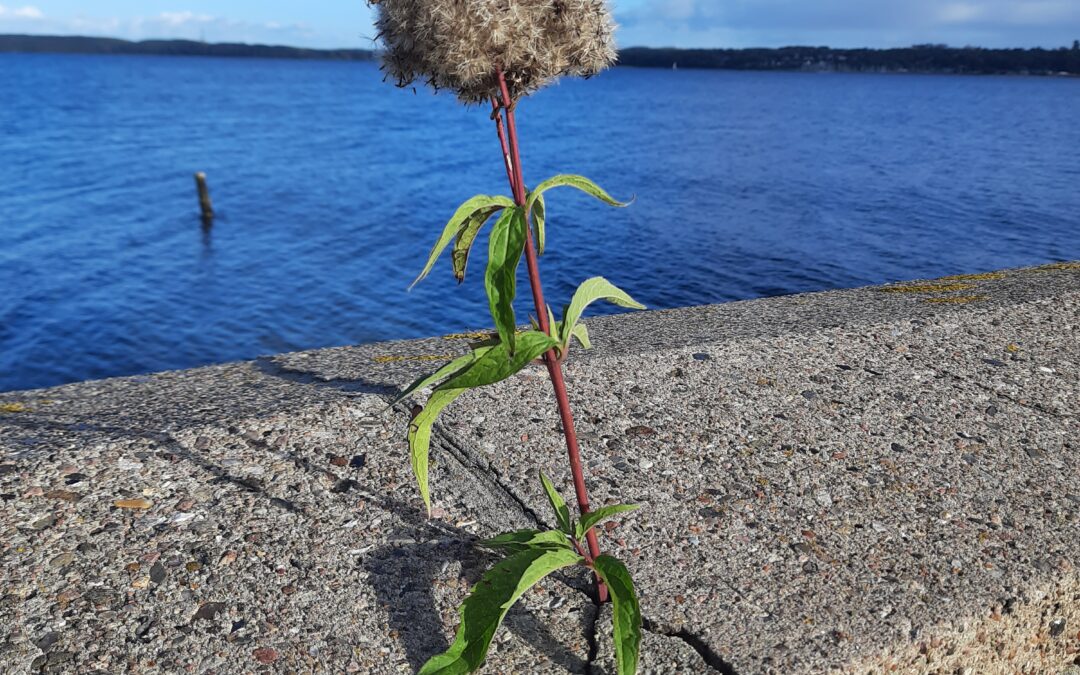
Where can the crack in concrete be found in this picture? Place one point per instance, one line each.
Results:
(469, 461)
(484, 470)
(710, 657)
(590, 638)
(269, 366)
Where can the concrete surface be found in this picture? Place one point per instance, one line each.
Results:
(874, 480)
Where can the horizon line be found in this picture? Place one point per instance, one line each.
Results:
(621, 48)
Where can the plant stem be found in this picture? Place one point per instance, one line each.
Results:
(512, 156)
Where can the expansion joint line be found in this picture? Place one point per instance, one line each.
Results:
(469, 461)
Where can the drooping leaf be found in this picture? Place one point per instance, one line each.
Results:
(496, 364)
(505, 246)
(591, 290)
(594, 518)
(582, 334)
(451, 368)
(466, 236)
(524, 539)
(539, 220)
(562, 513)
(626, 614)
(570, 180)
(487, 604)
(457, 221)
(420, 438)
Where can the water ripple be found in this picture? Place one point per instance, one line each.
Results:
(330, 186)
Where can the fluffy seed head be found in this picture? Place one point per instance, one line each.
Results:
(458, 44)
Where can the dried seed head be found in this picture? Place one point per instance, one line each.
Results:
(459, 44)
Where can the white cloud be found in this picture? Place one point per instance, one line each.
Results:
(165, 25)
(679, 10)
(181, 18)
(26, 12)
(958, 12)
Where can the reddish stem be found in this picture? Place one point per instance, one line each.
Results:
(512, 155)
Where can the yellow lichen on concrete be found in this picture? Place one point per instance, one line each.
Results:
(479, 335)
(928, 288)
(956, 299)
(985, 276)
(13, 408)
(1057, 267)
(394, 358)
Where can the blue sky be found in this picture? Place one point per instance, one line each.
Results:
(681, 23)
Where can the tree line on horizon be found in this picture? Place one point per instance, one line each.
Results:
(62, 44)
(927, 58)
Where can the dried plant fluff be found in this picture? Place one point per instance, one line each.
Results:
(458, 44)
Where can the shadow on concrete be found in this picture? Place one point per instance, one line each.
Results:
(271, 367)
(403, 573)
(144, 406)
(404, 577)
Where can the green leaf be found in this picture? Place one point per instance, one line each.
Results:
(594, 518)
(487, 604)
(420, 438)
(539, 219)
(496, 364)
(452, 368)
(504, 253)
(457, 221)
(626, 614)
(465, 238)
(525, 539)
(591, 290)
(570, 180)
(582, 334)
(562, 513)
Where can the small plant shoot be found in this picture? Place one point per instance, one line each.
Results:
(500, 51)
(532, 555)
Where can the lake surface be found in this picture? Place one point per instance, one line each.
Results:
(331, 187)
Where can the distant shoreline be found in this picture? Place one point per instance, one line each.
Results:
(927, 59)
(59, 44)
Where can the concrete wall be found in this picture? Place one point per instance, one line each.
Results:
(854, 481)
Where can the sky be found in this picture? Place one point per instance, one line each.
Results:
(655, 23)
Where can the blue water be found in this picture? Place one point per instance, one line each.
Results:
(331, 187)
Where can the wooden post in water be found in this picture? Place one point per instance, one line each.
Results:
(204, 198)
